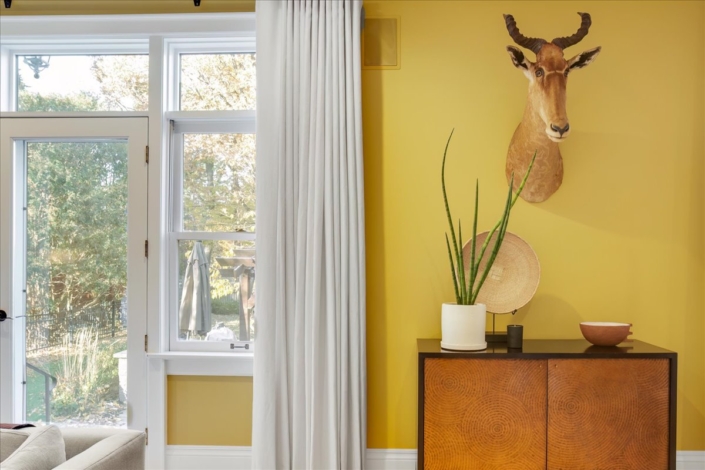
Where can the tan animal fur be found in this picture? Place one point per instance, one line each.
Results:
(545, 121)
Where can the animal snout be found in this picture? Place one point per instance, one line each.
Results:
(560, 130)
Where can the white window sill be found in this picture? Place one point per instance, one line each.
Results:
(239, 364)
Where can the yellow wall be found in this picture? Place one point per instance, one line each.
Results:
(214, 411)
(116, 7)
(622, 240)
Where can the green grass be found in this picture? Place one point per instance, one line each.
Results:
(86, 378)
(224, 306)
(35, 387)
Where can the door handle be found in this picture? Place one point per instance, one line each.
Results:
(3, 316)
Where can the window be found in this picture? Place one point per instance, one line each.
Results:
(116, 82)
(217, 81)
(99, 91)
(73, 230)
(212, 198)
(78, 281)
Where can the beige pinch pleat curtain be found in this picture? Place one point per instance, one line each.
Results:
(309, 367)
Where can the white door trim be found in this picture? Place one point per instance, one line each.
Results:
(11, 245)
(13, 130)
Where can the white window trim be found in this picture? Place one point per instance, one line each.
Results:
(206, 363)
(155, 31)
(12, 229)
(80, 27)
(74, 114)
(235, 121)
(12, 47)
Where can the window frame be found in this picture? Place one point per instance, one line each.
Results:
(157, 31)
(11, 51)
(201, 122)
(134, 131)
(244, 125)
(162, 37)
(237, 43)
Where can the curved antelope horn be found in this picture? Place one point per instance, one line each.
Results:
(578, 36)
(533, 44)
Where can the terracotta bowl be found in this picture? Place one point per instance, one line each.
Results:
(605, 333)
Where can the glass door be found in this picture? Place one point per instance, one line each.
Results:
(73, 197)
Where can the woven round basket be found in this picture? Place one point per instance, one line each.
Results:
(514, 276)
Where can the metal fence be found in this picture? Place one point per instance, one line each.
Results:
(49, 330)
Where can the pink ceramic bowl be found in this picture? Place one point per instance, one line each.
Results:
(605, 333)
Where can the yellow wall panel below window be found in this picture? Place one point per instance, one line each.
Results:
(213, 411)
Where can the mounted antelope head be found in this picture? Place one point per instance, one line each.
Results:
(545, 121)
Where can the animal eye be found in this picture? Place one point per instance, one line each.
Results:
(539, 72)
(566, 72)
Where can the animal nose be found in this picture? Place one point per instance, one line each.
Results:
(560, 130)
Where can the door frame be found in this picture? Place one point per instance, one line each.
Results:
(13, 132)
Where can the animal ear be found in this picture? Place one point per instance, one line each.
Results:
(583, 59)
(518, 59)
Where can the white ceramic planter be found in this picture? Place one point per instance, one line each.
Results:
(463, 327)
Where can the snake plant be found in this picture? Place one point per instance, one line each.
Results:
(466, 291)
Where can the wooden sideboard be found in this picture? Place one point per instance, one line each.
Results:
(554, 404)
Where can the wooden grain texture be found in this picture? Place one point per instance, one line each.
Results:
(608, 414)
(485, 414)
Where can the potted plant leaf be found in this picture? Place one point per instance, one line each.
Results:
(463, 322)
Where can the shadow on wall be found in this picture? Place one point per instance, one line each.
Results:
(558, 318)
(688, 411)
(373, 140)
(626, 196)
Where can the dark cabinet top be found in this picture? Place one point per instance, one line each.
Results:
(548, 348)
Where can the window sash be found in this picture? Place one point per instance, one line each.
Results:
(199, 122)
(202, 46)
(240, 122)
(235, 346)
(11, 50)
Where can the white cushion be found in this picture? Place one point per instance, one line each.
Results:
(43, 450)
(11, 440)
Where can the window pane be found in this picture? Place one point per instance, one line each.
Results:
(217, 82)
(76, 303)
(82, 83)
(216, 290)
(219, 182)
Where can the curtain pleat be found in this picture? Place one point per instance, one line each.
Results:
(309, 379)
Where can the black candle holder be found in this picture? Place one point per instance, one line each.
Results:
(515, 336)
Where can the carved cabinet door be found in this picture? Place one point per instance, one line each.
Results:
(608, 414)
(484, 414)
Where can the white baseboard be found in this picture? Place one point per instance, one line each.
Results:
(690, 460)
(390, 459)
(239, 458)
(208, 458)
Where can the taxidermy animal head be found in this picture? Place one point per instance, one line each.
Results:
(545, 121)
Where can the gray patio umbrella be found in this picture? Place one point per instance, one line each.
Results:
(195, 308)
